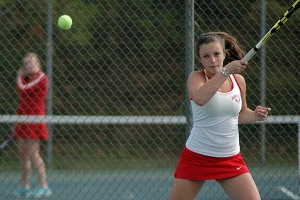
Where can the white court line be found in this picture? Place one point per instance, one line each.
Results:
(288, 193)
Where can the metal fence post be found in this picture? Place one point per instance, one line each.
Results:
(50, 77)
(263, 81)
(299, 155)
(189, 59)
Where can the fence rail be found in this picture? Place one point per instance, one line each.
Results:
(110, 119)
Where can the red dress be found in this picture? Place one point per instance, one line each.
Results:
(32, 101)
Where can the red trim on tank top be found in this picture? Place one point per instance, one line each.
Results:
(237, 83)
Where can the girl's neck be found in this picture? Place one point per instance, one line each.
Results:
(209, 76)
(32, 74)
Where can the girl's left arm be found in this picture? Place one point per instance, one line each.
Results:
(246, 114)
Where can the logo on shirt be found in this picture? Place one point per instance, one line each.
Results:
(236, 98)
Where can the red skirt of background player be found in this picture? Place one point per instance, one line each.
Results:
(193, 166)
(32, 131)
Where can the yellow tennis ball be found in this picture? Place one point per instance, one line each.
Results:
(65, 22)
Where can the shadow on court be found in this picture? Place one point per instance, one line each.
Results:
(145, 184)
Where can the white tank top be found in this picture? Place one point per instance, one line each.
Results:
(215, 128)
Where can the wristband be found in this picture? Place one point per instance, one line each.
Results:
(225, 72)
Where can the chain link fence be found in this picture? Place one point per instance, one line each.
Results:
(117, 95)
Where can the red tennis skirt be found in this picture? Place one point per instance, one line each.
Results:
(194, 166)
(32, 131)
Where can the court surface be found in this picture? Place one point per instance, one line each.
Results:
(147, 184)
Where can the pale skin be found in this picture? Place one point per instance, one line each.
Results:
(29, 152)
(29, 149)
(31, 65)
(212, 55)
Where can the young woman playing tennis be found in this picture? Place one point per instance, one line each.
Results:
(32, 85)
(218, 99)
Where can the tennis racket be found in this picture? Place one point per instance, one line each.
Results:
(276, 27)
(5, 143)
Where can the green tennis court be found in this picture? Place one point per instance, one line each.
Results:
(147, 184)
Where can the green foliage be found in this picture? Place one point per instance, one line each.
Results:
(129, 59)
(144, 41)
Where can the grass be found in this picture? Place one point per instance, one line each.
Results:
(90, 158)
(93, 157)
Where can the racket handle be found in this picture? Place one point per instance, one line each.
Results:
(4, 144)
(249, 55)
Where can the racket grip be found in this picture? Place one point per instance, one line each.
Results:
(249, 55)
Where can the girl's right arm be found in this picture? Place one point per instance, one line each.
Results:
(201, 91)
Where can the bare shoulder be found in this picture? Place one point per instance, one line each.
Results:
(240, 79)
(196, 75)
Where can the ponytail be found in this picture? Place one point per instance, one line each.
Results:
(232, 49)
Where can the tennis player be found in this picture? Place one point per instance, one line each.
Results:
(218, 100)
(32, 85)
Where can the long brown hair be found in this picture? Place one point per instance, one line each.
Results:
(229, 43)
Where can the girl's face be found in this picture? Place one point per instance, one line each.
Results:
(212, 57)
(30, 65)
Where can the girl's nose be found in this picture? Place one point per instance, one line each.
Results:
(213, 59)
